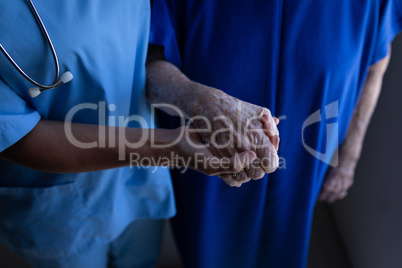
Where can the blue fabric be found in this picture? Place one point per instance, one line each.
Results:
(295, 58)
(104, 44)
(135, 247)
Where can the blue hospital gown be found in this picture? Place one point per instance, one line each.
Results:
(304, 60)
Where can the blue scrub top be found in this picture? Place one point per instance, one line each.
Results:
(104, 44)
(305, 60)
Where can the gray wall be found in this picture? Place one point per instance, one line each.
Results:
(365, 229)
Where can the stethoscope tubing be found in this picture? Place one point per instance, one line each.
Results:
(55, 83)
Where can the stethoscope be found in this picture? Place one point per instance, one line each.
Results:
(35, 91)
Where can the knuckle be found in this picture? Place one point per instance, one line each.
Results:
(349, 184)
(271, 168)
(242, 179)
(266, 111)
(210, 172)
(231, 182)
(259, 176)
(258, 173)
(335, 192)
(245, 180)
(237, 168)
(328, 188)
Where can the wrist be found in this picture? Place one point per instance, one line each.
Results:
(201, 98)
(157, 144)
(177, 141)
(349, 154)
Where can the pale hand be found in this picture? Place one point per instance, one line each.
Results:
(198, 156)
(338, 180)
(235, 126)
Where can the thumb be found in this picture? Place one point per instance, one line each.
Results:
(270, 125)
(270, 131)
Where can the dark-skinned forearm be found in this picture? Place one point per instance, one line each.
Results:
(47, 148)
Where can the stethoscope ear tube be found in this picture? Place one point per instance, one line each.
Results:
(35, 91)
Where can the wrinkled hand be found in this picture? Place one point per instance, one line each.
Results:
(338, 180)
(198, 156)
(232, 126)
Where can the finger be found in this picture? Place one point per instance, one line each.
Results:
(329, 188)
(270, 164)
(228, 179)
(229, 151)
(345, 185)
(213, 150)
(231, 181)
(341, 187)
(237, 163)
(332, 198)
(254, 171)
(326, 189)
(321, 197)
(325, 195)
(269, 124)
(275, 141)
(241, 177)
(251, 172)
(207, 141)
(268, 130)
(234, 181)
(269, 158)
(336, 190)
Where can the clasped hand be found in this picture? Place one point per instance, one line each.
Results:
(231, 127)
